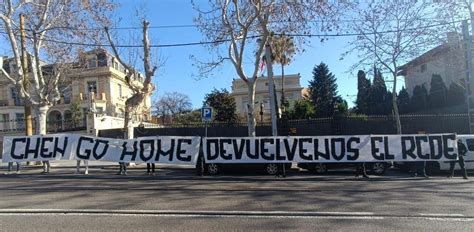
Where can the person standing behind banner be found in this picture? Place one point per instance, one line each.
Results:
(46, 167)
(123, 168)
(10, 167)
(360, 170)
(86, 165)
(150, 169)
(462, 150)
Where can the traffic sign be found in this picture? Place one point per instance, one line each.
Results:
(206, 114)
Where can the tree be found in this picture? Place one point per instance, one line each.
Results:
(283, 50)
(52, 28)
(404, 101)
(141, 88)
(301, 109)
(438, 92)
(390, 33)
(190, 116)
(323, 91)
(363, 91)
(419, 99)
(456, 94)
(223, 104)
(76, 114)
(234, 26)
(378, 95)
(173, 104)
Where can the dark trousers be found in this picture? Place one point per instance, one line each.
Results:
(452, 164)
(150, 166)
(419, 168)
(123, 167)
(360, 169)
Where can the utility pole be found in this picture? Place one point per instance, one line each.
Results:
(271, 88)
(26, 81)
(469, 72)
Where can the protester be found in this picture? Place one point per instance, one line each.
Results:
(46, 166)
(86, 165)
(152, 167)
(10, 167)
(462, 150)
(123, 168)
(360, 170)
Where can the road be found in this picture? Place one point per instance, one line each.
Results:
(178, 200)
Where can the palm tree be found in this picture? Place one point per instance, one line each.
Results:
(283, 49)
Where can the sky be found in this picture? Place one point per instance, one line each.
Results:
(178, 74)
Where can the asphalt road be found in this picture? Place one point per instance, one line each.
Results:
(178, 200)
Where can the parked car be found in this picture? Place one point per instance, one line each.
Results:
(433, 167)
(267, 168)
(377, 168)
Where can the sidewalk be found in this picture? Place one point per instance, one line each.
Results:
(95, 164)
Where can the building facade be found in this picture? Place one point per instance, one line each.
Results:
(446, 60)
(291, 87)
(96, 79)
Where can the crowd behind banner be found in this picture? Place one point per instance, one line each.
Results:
(185, 150)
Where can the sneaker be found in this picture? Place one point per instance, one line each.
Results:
(465, 177)
(153, 174)
(449, 176)
(365, 176)
(17, 172)
(7, 173)
(86, 172)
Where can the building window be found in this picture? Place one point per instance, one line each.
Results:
(20, 120)
(16, 97)
(102, 59)
(4, 117)
(92, 62)
(423, 68)
(120, 90)
(92, 87)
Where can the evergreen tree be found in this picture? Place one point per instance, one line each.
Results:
(223, 104)
(301, 109)
(438, 92)
(419, 99)
(456, 94)
(379, 97)
(363, 91)
(323, 91)
(404, 101)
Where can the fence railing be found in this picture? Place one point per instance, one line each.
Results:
(51, 126)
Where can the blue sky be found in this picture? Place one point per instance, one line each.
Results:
(178, 71)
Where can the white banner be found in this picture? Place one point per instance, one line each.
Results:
(158, 149)
(357, 148)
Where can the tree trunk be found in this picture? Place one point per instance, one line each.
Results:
(250, 107)
(127, 127)
(395, 105)
(42, 115)
(282, 84)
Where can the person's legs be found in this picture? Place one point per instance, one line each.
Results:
(451, 169)
(10, 166)
(46, 166)
(124, 168)
(153, 168)
(18, 166)
(86, 163)
(78, 166)
(120, 169)
(148, 167)
(463, 167)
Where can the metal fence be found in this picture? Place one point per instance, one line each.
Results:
(351, 125)
(51, 126)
